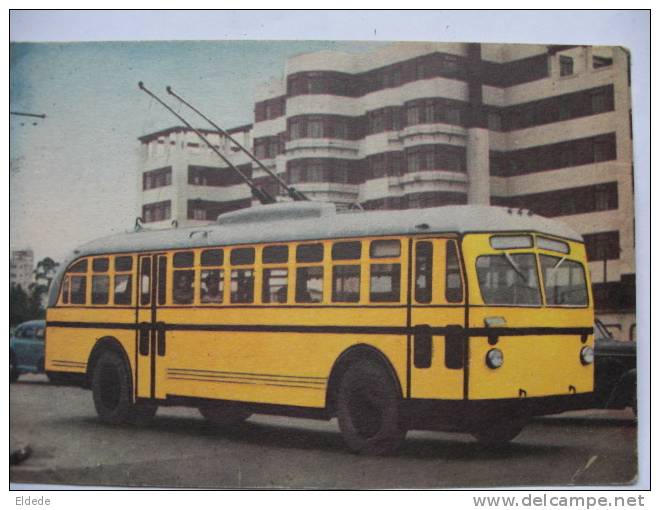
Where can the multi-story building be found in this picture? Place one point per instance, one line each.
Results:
(21, 268)
(411, 125)
(181, 181)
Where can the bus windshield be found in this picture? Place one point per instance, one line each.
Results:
(564, 281)
(512, 279)
(509, 279)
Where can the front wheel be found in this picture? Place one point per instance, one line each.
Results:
(369, 410)
(113, 394)
(224, 414)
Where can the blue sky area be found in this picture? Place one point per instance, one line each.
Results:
(73, 175)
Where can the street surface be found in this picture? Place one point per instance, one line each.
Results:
(70, 447)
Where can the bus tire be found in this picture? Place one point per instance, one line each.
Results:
(499, 433)
(113, 394)
(224, 414)
(369, 409)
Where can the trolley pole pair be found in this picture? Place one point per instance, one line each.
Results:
(260, 194)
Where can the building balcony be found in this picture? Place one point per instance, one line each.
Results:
(420, 134)
(322, 147)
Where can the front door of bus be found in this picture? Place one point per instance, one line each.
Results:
(151, 331)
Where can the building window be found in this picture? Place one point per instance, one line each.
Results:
(599, 62)
(158, 211)
(157, 178)
(565, 65)
(558, 108)
(582, 200)
(602, 245)
(270, 109)
(324, 170)
(436, 157)
(323, 126)
(217, 176)
(600, 102)
(209, 210)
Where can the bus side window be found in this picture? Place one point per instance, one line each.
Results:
(183, 289)
(242, 285)
(345, 277)
(385, 280)
(162, 279)
(100, 289)
(78, 290)
(242, 280)
(275, 285)
(309, 278)
(65, 290)
(212, 277)
(123, 280)
(453, 282)
(145, 282)
(423, 271)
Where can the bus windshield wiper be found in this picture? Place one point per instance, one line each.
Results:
(515, 267)
(554, 268)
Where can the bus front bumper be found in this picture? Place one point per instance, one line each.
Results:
(469, 415)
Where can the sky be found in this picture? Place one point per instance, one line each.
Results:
(73, 175)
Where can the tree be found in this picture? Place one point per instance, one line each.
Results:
(18, 305)
(45, 272)
(43, 277)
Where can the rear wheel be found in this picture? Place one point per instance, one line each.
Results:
(113, 393)
(369, 410)
(224, 414)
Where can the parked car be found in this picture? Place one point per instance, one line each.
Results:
(26, 349)
(616, 371)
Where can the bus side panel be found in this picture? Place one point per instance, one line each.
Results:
(289, 368)
(68, 348)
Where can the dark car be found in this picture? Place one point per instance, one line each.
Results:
(616, 371)
(26, 349)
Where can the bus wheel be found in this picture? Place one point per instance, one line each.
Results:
(112, 392)
(224, 414)
(499, 433)
(369, 410)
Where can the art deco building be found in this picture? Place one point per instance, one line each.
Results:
(415, 125)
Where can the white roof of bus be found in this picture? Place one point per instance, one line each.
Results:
(297, 221)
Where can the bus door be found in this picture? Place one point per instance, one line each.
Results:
(151, 331)
(437, 320)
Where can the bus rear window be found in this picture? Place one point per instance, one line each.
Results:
(508, 279)
(564, 282)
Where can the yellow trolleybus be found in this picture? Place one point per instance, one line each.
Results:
(459, 318)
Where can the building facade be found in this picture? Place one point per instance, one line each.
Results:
(21, 269)
(416, 125)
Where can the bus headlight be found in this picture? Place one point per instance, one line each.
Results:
(587, 355)
(494, 358)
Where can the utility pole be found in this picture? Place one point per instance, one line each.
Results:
(26, 114)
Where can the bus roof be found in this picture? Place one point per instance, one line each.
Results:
(299, 221)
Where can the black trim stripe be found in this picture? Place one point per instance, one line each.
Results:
(236, 381)
(329, 329)
(254, 374)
